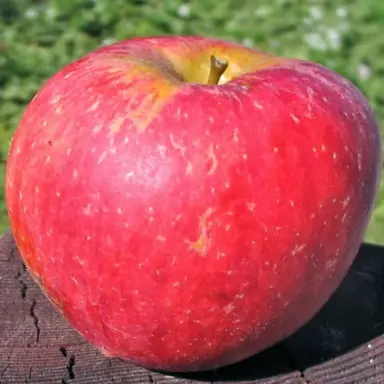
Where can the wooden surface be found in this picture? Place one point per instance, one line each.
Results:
(342, 344)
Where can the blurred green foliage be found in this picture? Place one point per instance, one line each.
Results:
(39, 37)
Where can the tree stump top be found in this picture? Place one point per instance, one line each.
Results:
(344, 343)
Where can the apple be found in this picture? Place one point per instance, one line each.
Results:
(187, 202)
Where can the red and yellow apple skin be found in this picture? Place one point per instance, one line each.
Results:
(185, 226)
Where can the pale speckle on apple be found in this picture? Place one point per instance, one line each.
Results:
(56, 98)
(119, 211)
(251, 206)
(298, 249)
(314, 150)
(79, 260)
(189, 168)
(33, 144)
(176, 284)
(102, 157)
(162, 150)
(68, 151)
(257, 105)
(213, 158)
(291, 203)
(58, 194)
(295, 118)
(275, 149)
(87, 210)
(330, 264)
(97, 128)
(346, 202)
(126, 140)
(17, 150)
(94, 106)
(201, 245)
(359, 161)
(228, 308)
(310, 93)
(75, 174)
(176, 145)
(58, 110)
(236, 136)
(128, 175)
(20, 195)
(161, 239)
(323, 148)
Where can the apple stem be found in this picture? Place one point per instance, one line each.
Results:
(218, 67)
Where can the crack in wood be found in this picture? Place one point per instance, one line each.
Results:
(26, 381)
(35, 320)
(70, 366)
(7, 365)
(4, 370)
(63, 351)
(24, 287)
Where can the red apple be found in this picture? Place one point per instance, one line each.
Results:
(183, 224)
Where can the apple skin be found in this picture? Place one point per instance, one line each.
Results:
(185, 226)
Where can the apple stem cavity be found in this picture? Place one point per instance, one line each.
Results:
(218, 67)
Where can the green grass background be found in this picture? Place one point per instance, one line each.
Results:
(38, 37)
